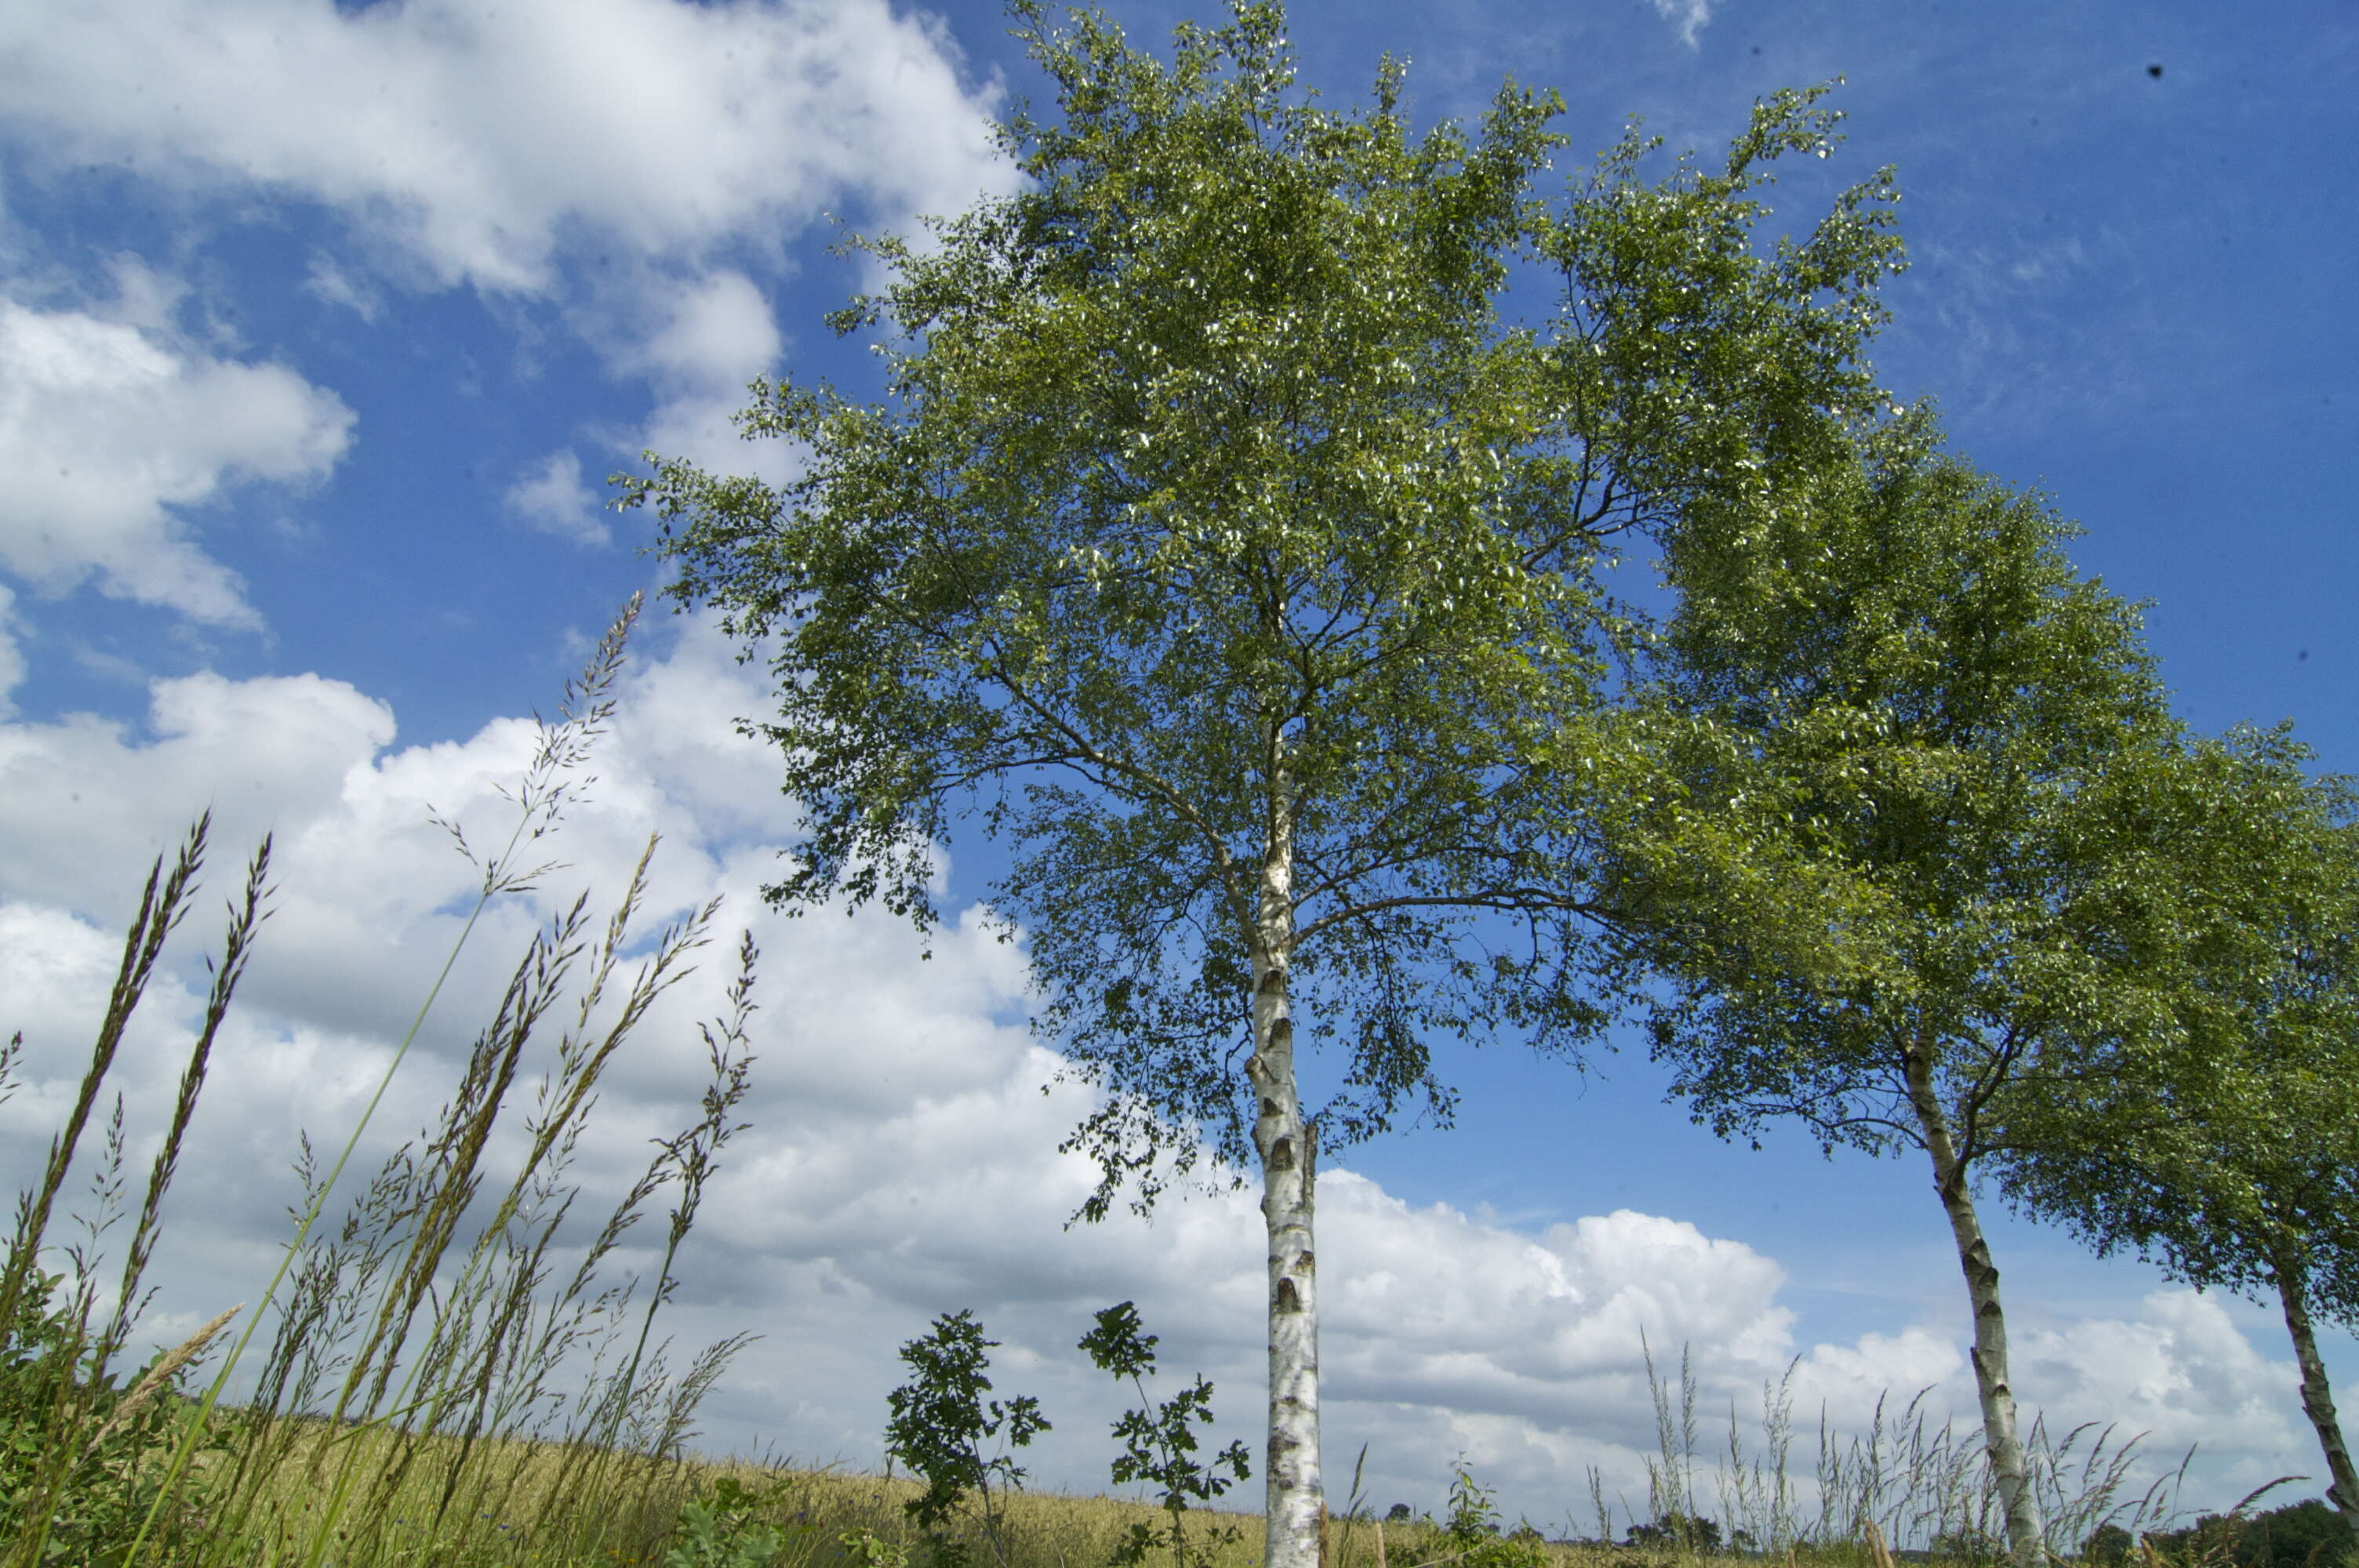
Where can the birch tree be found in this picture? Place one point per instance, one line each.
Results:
(1887, 705)
(2232, 1158)
(1219, 548)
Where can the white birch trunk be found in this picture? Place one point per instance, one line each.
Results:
(2027, 1545)
(1296, 1496)
(2317, 1395)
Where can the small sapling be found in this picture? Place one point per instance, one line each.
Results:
(940, 1422)
(1160, 1445)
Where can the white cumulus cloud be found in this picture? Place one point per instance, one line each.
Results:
(12, 658)
(469, 139)
(697, 341)
(549, 496)
(1687, 16)
(107, 428)
(2180, 1372)
(470, 146)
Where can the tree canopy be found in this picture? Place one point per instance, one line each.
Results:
(1882, 890)
(2224, 1149)
(1221, 546)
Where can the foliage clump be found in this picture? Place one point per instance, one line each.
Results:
(940, 1423)
(1159, 1445)
(2307, 1534)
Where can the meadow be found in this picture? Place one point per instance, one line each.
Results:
(417, 1400)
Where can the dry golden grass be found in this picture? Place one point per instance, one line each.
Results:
(636, 1520)
(518, 1502)
(813, 1509)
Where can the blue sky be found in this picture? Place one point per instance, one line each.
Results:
(321, 327)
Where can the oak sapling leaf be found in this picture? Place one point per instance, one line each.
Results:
(1159, 1444)
(1474, 1533)
(940, 1422)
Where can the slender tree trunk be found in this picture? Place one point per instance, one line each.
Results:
(1296, 1498)
(2025, 1535)
(2316, 1397)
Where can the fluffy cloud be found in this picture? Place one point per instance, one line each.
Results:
(603, 154)
(1687, 16)
(12, 661)
(325, 279)
(108, 426)
(466, 141)
(82, 802)
(2181, 1373)
(550, 496)
(901, 1160)
(696, 341)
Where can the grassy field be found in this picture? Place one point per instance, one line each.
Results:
(527, 1503)
(519, 1504)
(409, 1351)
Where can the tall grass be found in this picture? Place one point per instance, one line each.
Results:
(1906, 1484)
(408, 1407)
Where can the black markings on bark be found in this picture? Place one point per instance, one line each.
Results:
(1281, 1154)
(1288, 1298)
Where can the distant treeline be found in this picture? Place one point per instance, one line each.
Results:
(2307, 1534)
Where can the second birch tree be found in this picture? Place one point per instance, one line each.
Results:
(2231, 1158)
(1882, 884)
